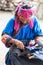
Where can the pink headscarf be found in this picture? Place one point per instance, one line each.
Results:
(26, 13)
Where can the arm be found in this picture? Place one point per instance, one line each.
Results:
(38, 33)
(6, 39)
(6, 36)
(7, 31)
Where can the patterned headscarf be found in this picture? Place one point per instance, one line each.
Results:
(25, 12)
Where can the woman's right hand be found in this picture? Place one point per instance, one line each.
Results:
(20, 45)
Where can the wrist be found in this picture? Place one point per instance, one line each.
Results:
(8, 39)
(14, 41)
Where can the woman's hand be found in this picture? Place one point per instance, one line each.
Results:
(4, 37)
(39, 41)
(19, 44)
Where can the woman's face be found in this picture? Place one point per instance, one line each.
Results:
(23, 20)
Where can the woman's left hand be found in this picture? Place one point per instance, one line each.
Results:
(4, 37)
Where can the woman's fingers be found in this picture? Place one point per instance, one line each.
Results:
(20, 45)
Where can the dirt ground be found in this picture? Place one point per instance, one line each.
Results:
(4, 17)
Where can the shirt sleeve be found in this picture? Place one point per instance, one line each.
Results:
(37, 28)
(9, 27)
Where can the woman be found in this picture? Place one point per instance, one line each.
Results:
(24, 26)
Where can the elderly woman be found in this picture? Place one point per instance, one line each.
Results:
(24, 26)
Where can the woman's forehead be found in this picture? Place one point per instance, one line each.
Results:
(25, 15)
(23, 18)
